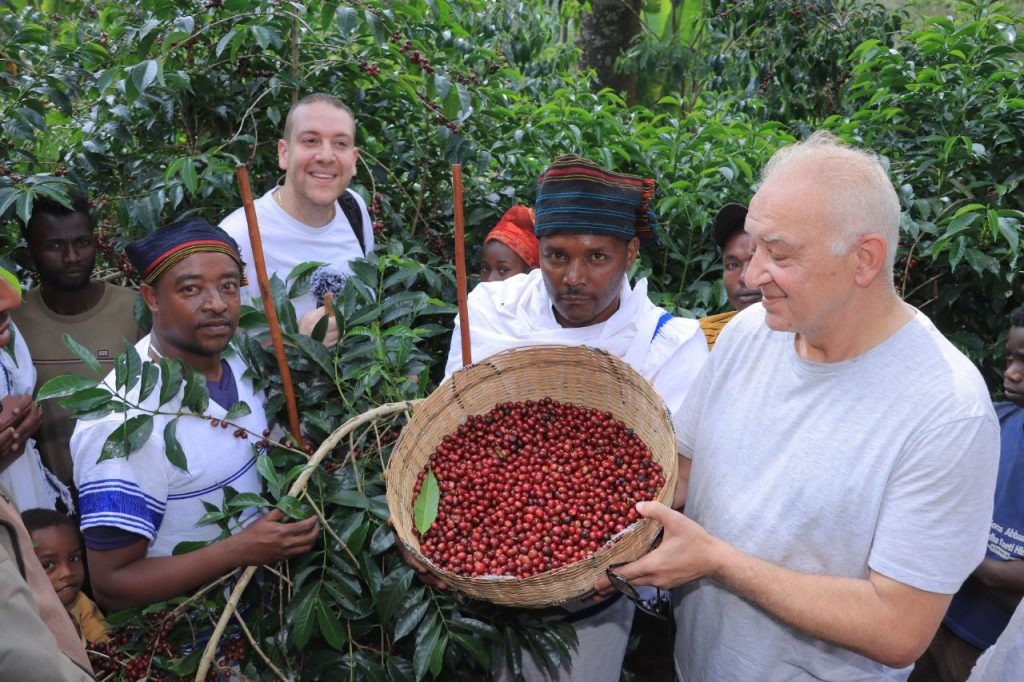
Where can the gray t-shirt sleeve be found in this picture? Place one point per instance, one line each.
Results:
(940, 493)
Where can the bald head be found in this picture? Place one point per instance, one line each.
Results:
(860, 199)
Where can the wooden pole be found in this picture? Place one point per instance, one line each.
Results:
(460, 265)
(260, 264)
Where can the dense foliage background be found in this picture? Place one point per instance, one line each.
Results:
(149, 105)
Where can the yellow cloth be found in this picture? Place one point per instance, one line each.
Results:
(89, 618)
(713, 324)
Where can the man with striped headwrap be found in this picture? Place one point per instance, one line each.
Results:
(591, 222)
(136, 509)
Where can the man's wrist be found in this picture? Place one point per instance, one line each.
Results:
(722, 558)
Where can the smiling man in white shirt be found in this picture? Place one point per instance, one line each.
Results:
(313, 216)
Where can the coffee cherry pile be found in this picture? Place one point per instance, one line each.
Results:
(531, 486)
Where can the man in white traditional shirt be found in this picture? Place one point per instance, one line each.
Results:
(591, 223)
(841, 453)
(313, 216)
(23, 477)
(136, 509)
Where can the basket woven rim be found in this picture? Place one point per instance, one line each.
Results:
(603, 378)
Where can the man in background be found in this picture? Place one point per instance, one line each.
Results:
(313, 216)
(98, 315)
(982, 608)
(734, 243)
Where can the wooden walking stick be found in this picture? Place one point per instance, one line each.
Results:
(460, 265)
(260, 264)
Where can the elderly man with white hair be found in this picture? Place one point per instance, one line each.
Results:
(841, 453)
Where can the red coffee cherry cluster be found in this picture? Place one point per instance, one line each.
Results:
(232, 652)
(531, 486)
(128, 654)
(377, 214)
(369, 69)
(434, 242)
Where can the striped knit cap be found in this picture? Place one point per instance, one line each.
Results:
(576, 196)
(155, 254)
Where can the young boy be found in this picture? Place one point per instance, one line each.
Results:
(58, 547)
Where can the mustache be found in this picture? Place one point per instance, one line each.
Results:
(748, 292)
(215, 321)
(572, 291)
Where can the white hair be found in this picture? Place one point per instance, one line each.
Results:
(861, 197)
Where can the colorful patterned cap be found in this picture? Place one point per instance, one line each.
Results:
(155, 254)
(515, 230)
(576, 196)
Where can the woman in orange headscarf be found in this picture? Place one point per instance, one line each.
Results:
(510, 248)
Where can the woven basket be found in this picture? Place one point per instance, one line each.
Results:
(574, 374)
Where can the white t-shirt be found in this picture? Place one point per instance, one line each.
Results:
(884, 462)
(288, 243)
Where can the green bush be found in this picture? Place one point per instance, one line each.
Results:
(946, 106)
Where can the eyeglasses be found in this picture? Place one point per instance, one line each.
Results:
(652, 606)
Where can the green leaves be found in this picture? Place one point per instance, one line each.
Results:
(171, 377)
(424, 510)
(127, 368)
(128, 437)
(238, 410)
(141, 76)
(64, 385)
(172, 448)
(83, 354)
(430, 645)
(197, 395)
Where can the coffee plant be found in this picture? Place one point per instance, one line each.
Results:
(148, 106)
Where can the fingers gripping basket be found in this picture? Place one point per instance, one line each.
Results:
(575, 374)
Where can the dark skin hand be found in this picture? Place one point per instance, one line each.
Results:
(20, 418)
(425, 576)
(125, 577)
(1001, 581)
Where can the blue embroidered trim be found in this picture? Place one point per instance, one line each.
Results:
(662, 321)
(120, 503)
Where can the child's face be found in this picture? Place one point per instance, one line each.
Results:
(498, 262)
(60, 552)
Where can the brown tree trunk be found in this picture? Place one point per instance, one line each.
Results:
(605, 33)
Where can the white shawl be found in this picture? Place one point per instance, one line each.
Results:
(517, 312)
(29, 484)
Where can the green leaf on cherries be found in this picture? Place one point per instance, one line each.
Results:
(424, 511)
